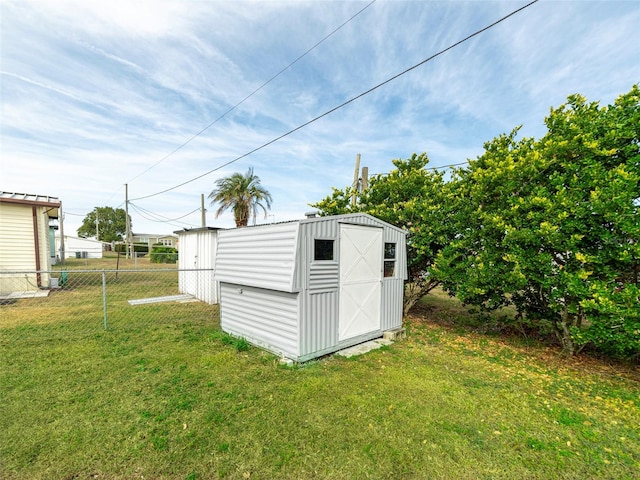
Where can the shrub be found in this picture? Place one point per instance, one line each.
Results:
(137, 247)
(163, 254)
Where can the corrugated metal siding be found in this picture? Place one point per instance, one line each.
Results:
(280, 257)
(327, 227)
(264, 317)
(319, 322)
(323, 277)
(392, 296)
(399, 238)
(320, 302)
(263, 256)
(198, 251)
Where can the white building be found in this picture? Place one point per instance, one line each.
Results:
(27, 245)
(76, 247)
(307, 288)
(196, 261)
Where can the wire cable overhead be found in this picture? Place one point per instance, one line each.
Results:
(347, 102)
(196, 135)
(149, 215)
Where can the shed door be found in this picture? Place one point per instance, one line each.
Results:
(360, 280)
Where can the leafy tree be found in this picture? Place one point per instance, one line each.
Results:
(112, 224)
(552, 226)
(414, 199)
(243, 194)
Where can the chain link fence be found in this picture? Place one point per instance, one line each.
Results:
(73, 300)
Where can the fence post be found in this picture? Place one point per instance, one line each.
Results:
(104, 297)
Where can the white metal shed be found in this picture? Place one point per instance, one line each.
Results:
(196, 260)
(306, 288)
(76, 247)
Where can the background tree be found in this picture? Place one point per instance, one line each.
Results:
(553, 227)
(112, 224)
(414, 199)
(243, 194)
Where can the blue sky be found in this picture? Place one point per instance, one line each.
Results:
(96, 94)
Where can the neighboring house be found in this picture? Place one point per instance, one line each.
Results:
(76, 247)
(310, 287)
(152, 238)
(27, 240)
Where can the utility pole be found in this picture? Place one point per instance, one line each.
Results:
(356, 174)
(203, 211)
(97, 233)
(365, 178)
(61, 215)
(128, 222)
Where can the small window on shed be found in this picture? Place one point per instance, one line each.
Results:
(323, 249)
(389, 259)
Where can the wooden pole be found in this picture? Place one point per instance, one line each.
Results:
(356, 174)
(36, 243)
(62, 247)
(128, 221)
(365, 178)
(202, 211)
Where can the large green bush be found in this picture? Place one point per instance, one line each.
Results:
(549, 226)
(553, 226)
(163, 254)
(137, 247)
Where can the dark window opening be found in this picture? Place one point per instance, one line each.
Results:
(389, 251)
(389, 259)
(323, 250)
(389, 268)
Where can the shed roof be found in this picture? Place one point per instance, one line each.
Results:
(272, 255)
(155, 235)
(198, 229)
(345, 217)
(30, 199)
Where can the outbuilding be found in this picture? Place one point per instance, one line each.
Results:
(27, 242)
(196, 261)
(76, 247)
(306, 288)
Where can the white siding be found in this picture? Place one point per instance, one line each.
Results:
(320, 312)
(17, 248)
(198, 251)
(392, 296)
(275, 295)
(264, 317)
(43, 244)
(262, 256)
(323, 277)
(319, 323)
(76, 244)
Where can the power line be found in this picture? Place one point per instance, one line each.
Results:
(193, 137)
(178, 225)
(159, 218)
(448, 166)
(429, 168)
(351, 100)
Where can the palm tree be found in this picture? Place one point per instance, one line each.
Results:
(243, 194)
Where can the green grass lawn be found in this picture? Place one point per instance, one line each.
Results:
(177, 399)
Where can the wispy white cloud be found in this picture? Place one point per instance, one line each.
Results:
(94, 93)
